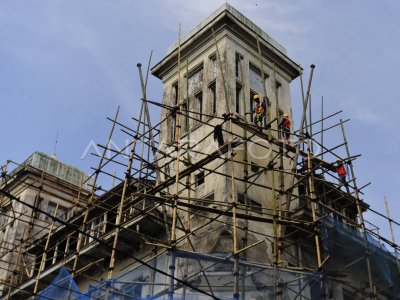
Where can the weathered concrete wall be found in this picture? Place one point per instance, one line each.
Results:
(204, 57)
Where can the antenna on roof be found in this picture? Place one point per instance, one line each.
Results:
(54, 154)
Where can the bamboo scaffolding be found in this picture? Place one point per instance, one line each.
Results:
(181, 202)
(86, 213)
(360, 214)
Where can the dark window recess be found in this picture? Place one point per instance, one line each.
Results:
(253, 205)
(254, 167)
(206, 202)
(238, 97)
(42, 206)
(172, 120)
(213, 96)
(238, 59)
(197, 110)
(185, 118)
(352, 216)
(199, 178)
(175, 93)
(213, 66)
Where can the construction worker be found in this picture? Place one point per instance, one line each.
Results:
(259, 110)
(341, 171)
(284, 126)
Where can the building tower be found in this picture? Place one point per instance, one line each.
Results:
(220, 72)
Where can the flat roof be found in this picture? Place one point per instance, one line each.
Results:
(238, 15)
(59, 169)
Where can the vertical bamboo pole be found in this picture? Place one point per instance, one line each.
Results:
(246, 174)
(310, 122)
(301, 135)
(37, 202)
(228, 102)
(360, 213)
(178, 151)
(275, 245)
(92, 195)
(44, 255)
(322, 141)
(392, 233)
(313, 199)
(322, 127)
(281, 175)
(303, 98)
(151, 136)
(127, 181)
(188, 181)
(16, 267)
(113, 181)
(188, 157)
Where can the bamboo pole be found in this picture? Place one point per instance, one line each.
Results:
(301, 134)
(313, 198)
(150, 132)
(322, 125)
(360, 213)
(127, 181)
(44, 255)
(310, 122)
(392, 233)
(37, 202)
(16, 267)
(274, 206)
(91, 198)
(228, 103)
(188, 177)
(245, 175)
(281, 167)
(172, 265)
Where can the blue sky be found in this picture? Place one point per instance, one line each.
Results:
(66, 65)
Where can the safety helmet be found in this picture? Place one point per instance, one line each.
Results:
(256, 96)
(339, 160)
(286, 115)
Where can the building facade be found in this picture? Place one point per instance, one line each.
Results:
(41, 182)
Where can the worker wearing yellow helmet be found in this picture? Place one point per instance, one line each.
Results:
(284, 126)
(259, 109)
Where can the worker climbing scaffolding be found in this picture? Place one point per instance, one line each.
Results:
(284, 127)
(341, 171)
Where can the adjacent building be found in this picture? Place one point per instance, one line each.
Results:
(41, 182)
